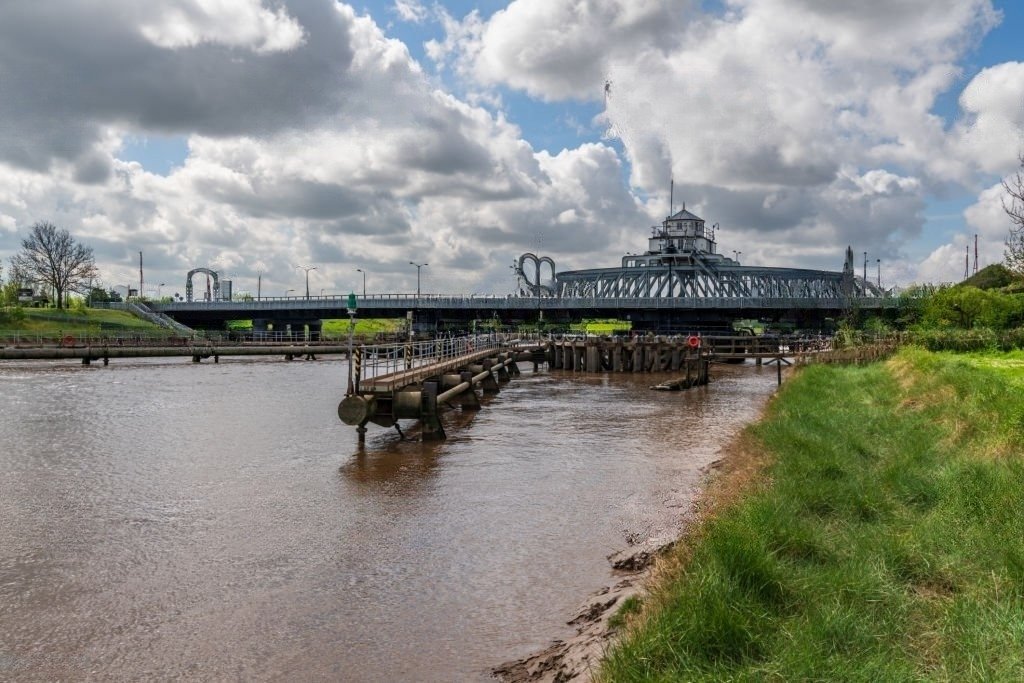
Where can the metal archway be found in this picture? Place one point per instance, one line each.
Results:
(215, 295)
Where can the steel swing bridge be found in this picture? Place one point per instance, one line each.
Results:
(682, 263)
(680, 283)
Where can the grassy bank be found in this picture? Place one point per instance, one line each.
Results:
(883, 539)
(50, 322)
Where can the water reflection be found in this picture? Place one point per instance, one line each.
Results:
(163, 519)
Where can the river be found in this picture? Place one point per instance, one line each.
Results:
(161, 519)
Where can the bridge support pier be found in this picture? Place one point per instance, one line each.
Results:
(488, 384)
(260, 329)
(433, 430)
(468, 399)
(503, 374)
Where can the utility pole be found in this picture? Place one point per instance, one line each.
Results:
(142, 290)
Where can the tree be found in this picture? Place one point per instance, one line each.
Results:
(1013, 205)
(49, 255)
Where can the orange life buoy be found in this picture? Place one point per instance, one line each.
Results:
(693, 342)
(69, 340)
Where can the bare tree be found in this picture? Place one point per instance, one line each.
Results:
(50, 255)
(1013, 205)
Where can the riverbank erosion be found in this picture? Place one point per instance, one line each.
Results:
(868, 529)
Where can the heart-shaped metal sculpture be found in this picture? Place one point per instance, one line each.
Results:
(535, 287)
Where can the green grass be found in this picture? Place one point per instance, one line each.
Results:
(338, 329)
(885, 542)
(607, 326)
(87, 321)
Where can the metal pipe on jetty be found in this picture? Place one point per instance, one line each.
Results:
(413, 381)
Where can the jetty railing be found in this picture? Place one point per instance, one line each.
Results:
(401, 360)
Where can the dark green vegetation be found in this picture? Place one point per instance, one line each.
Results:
(985, 312)
(883, 541)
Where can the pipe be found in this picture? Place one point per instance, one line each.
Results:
(459, 388)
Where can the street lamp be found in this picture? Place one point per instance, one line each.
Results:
(879, 261)
(360, 270)
(736, 255)
(259, 279)
(159, 290)
(288, 293)
(307, 269)
(418, 266)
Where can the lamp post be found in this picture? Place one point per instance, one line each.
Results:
(307, 269)
(360, 270)
(288, 293)
(736, 255)
(879, 261)
(159, 290)
(418, 266)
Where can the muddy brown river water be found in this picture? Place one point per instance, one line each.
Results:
(162, 520)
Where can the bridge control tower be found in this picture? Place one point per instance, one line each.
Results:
(682, 239)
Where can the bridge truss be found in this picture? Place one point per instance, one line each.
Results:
(698, 281)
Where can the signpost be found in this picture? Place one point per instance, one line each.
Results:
(352, 304)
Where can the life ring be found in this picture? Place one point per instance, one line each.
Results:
(68, 340)
(693, 342)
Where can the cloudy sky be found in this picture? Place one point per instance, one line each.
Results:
(257, 135)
